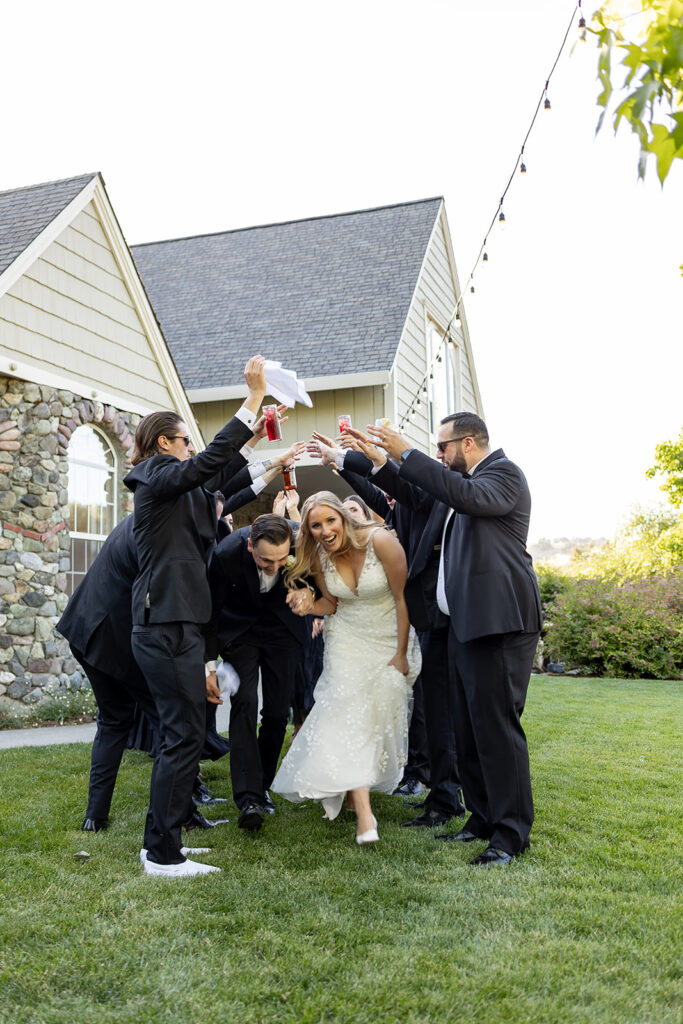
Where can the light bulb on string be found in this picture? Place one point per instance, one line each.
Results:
(501, 217)
(522, 168)
(546, 104)
(485, 257)
(472, 289)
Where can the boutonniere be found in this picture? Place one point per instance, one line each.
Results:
(290, 562)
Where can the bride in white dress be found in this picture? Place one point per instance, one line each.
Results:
(356, 737)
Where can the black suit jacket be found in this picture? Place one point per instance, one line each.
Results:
(418, 520)
(237, 600)
(175, 527)
(491, 586)
(97, 621)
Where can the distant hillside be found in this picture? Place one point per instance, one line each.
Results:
(559, 551)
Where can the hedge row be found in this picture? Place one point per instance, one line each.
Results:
(625, 628)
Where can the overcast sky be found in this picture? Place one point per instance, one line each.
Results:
(226, 114)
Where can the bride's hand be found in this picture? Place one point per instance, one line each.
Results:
(400, 662)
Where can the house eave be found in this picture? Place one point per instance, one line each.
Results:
(333, 382)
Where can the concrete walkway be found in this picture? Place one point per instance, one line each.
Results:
(47, 735)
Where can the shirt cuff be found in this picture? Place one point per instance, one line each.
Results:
(246, 416)
(246, 451)
(258, 485)
(210, 667)
(339, 459)
(376, 469)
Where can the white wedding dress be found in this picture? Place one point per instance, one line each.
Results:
(357, 732)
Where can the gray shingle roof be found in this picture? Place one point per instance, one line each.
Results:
(327, 295)
(25, 212)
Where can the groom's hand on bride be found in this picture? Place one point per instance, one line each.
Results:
(300, 602)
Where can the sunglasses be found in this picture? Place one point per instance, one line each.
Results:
(181, 437)
(441, 446)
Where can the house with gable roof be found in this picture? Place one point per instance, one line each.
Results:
(92, 338)
(82, 359)
(356, 303)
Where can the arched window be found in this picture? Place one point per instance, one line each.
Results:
(92, 499)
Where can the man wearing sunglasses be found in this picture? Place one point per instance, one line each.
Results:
(488, 588)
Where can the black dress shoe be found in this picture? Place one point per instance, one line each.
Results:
(417, 804)
(202, 800)
(199, 821)
(251, 817)
(428, 819)
(492, 856)
(411, 787)
(268, 805)
(463, 836)
(94, 824)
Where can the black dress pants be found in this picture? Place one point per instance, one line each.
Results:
(439, 711)
(116, 701)
(417, 765)
(491, 677)
(253, 760)
(171, 657)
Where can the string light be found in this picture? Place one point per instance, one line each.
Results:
(499, 215)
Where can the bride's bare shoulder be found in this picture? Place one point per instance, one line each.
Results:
(383, 540)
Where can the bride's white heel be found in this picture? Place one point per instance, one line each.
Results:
(371, 836)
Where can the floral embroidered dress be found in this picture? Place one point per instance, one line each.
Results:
(357, 733)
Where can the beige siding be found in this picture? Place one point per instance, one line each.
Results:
(435, 298)
(363, 405)
(71, 312)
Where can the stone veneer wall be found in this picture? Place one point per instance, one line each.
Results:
(36, 423)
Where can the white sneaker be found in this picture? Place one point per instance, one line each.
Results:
(185, 850)
(184, 870)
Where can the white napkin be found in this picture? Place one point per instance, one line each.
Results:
(227, 679)
(285, 386)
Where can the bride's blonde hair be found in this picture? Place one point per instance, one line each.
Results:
(353, 536)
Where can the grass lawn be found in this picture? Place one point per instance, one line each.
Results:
(304, 926)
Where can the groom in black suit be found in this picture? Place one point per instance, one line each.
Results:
(487, 586)
(255, 630)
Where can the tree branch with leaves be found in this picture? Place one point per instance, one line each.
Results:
(648, 36)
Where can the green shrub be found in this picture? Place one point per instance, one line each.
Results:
(627, 628)
(55, 710)
(551, 582)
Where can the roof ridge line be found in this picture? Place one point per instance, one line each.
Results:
(44, 184)
(284, 223)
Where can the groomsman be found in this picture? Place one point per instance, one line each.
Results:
(98, 622)
(487, 586)
(255, 630)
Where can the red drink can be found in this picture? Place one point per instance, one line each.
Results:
(273, 428)
(344, 422)
(290, 478)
